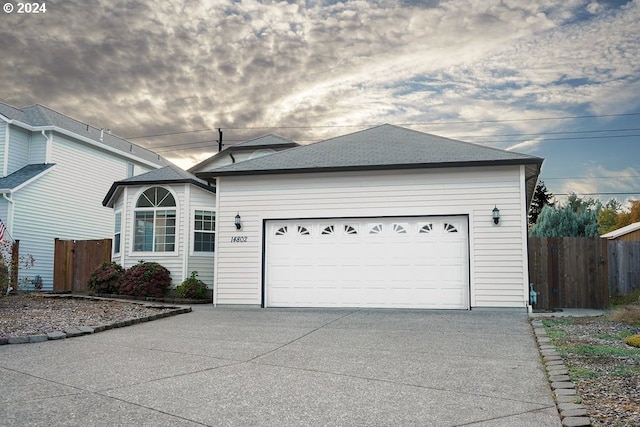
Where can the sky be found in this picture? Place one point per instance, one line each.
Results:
(558, 79)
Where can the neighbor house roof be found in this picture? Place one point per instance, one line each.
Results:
(23, 176)
(38, 117)
(269, 141)
(167, 175)
(381, 147)
(622, 231)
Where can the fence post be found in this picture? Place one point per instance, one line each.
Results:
(15, 264)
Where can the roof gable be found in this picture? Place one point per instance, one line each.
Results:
(381, 147)
(167, 175)
(264, 142)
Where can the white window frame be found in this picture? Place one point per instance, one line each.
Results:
(154, 210)
(117, 232)
(194, 231)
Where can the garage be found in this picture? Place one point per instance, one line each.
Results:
(398, 262)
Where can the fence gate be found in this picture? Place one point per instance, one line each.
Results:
(569, 272)
(75, 260)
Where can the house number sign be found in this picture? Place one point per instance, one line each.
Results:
(239, 239)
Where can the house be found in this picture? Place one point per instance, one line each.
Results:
(629, 233)
(55, 171)
(246, 150)
(385, 217)
(166, 216)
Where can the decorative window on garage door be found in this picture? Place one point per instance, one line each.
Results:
(328, 230)
(350, 229)
(375, 228)
(426, 228)
(449, 228)
(400, 228)
(303, 231)
(282, 231)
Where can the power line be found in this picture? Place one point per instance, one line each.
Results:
(621, 193)
(594, 177)
(400, 124)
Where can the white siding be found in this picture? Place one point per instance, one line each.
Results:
(202, 263)
(181, 262)
(65, 203)
(497, 253)
(38, 149)
(19, 140)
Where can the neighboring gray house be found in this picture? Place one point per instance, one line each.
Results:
(167, 216)
(54, 172)
(246, 150)
(385, 217)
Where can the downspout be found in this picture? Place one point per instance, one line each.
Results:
(47, 152)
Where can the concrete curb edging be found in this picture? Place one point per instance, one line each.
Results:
(572, 414)
(167, 311)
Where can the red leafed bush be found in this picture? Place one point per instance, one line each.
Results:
(106, 278)
(145, 279)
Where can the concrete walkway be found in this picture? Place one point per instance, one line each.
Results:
(276, 367)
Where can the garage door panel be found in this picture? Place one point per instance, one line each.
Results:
(403, 262)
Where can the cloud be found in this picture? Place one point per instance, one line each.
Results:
(142, 67)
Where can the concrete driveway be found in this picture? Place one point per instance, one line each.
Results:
(277, 367)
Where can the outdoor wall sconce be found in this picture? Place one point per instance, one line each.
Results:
(496, 215)
(237, 222)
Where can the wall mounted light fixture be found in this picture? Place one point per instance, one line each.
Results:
(496, 215)
(238, 222)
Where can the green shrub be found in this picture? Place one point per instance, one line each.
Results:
(106, 278)
(192, 287)
(145, 279)
(633, 340)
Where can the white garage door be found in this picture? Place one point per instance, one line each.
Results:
(390, 262)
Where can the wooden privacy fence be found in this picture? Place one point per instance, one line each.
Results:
(569, 272)
(75, 260)
(624, 266)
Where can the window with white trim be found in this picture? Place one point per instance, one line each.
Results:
(155, 221)
(117, 232)
(204, 231)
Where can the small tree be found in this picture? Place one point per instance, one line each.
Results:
(576, 218)
(608, 216)
(541, 198)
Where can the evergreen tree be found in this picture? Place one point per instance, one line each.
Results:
(541, 198)
(576, 218)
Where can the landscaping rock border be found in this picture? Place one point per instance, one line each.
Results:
(77, 331)
(572, 413)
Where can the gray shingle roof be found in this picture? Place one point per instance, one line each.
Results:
(265, 142)
(167, 175)
(22, 175)
(39, 116)
(381, 147)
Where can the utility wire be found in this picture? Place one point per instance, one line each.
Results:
(401, 124)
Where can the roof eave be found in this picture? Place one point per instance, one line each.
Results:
(481, 163)
(109, 199)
